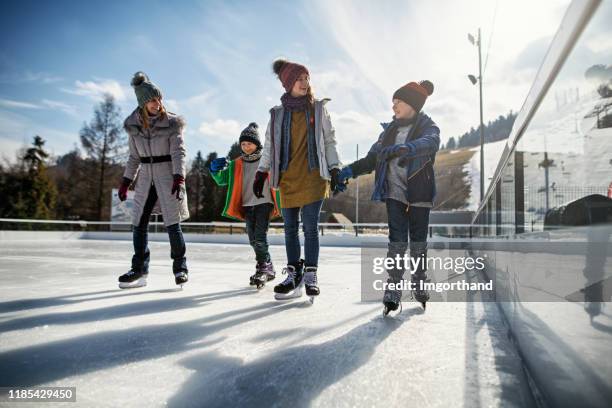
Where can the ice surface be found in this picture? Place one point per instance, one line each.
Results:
(219, 342)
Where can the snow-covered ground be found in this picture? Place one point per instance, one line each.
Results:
(220, 343)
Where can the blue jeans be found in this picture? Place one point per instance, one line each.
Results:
(402, 224)
(310, 224)
(140, 235)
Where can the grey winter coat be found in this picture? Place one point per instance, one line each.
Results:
(165, 137)
(324, 135)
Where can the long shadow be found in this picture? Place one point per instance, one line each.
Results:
(40, 364)
(292, 376)
(117, 311)
(27, 304)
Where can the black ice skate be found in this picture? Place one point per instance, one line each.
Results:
(264, 272)
(132, 279)
(310, 282)
(181, 278)
(392, 300)
(419, 293)
(291, 287)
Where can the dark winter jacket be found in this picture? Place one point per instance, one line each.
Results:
(424, 141)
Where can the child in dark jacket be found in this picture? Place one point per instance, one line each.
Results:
(241, 203)
(403, 157)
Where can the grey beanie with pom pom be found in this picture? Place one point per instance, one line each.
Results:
(145, 89)
(251, 134)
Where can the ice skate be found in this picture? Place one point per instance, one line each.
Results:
(392, 300)
(311, 283)
(291, 287)
(181, 278)
(132, 279)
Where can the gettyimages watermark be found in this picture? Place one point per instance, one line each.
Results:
(445, 272)
(492, 271)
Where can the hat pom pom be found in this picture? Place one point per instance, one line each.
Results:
(278, 65)
(428, 86)
(139, 78)
(253, 125)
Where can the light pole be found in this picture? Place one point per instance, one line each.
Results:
(473, 80)
(357, 200)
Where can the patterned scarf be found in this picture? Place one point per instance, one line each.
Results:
(291, 103)
(249, 158)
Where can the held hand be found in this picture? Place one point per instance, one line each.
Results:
(391, 152)
(123, 188)
(218, 164)
(258, 184)
(178, 186)
(335, 181)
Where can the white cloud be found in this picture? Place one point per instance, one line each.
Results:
(61, 106)
(18, 130)
(29, 76)
(7, 103)
(96, 89)
(228, 129)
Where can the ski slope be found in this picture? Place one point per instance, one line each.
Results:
(221, 343)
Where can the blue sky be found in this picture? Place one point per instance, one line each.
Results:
(212, 61)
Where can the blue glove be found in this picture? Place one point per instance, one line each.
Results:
(218, 164)
(345, 174)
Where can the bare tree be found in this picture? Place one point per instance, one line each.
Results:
(104, 141)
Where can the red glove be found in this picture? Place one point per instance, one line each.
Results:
(123, 188)
(258, 184)
(177, 186)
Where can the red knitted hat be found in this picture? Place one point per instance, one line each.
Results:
(414, 94)
(288, 72)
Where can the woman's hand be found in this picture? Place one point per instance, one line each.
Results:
(123, 188)
(178, 186)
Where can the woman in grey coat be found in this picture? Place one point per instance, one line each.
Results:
(157, 156)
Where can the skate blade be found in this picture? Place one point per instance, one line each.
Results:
(296, 293)
(132, 285)
(312, 299)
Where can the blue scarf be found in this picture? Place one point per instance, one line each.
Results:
(291, 104)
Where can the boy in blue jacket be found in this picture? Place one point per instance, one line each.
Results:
(403, 157)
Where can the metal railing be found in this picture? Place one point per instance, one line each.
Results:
(223, 227)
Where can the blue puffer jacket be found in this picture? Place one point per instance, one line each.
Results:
(423, 141)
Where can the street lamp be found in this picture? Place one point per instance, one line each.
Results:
(476, 42)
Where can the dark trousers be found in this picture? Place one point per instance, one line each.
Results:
(402, 225)
(257, 222)
(142, 255)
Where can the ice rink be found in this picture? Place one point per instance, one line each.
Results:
(219, 342)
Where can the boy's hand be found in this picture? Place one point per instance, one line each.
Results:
(218, 164)
(258, 184)
(391, 152)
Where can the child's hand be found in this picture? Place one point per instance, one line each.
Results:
(218, 164)
(391, 152)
